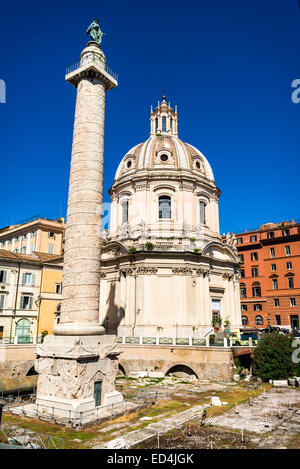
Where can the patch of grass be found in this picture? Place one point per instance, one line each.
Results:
(50, 429)
(237, 396)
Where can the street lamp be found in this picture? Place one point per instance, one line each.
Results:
(268, 319)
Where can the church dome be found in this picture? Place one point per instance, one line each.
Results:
(163, 150)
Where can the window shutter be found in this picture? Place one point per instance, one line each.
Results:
(30, 303)
(4, 276)
(1, 301)
(21, 302)
(24, 279)
(32, 279)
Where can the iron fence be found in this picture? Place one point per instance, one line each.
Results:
(10, 397)
(30, 439)
(187, 341)
(77, 419)
(21, 339)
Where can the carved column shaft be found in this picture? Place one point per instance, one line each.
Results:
(81, 272)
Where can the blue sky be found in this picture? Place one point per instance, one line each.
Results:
(228, 65)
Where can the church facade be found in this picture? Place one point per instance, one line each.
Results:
(164, 269)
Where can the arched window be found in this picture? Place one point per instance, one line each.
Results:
(124, 211)
(259, 321)
(164, 124)
(256, 291)
(202, 207)
(244, 320)
(243, 290)
(164, 206)
(57, 313)
(23, 331)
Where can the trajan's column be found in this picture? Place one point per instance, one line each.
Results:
(77, 365)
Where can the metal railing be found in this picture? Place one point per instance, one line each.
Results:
(89, 59)
(68, 417)
(17, 395)
(186, 341)
(21, 340)
(30, 439)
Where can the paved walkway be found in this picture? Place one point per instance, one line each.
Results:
(280, 438)
(135, 437)
(262, 416)
(268, 431)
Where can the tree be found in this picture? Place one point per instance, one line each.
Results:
(273, 357)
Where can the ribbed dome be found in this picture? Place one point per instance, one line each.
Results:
(166, 153)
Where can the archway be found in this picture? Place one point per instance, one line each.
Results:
(181, 371)
(31, 372)
(121, 370)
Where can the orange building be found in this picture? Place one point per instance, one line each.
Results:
(270, 275)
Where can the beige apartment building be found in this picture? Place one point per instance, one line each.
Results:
(30, 295)
(37, 235)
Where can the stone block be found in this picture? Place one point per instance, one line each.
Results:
(156, 374)
(138, 374)
(114, 397)
(117, 443)
(283, 383)
(215, 401)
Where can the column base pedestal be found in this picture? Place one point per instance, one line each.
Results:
(76, 375)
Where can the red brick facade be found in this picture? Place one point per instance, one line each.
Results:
(270, 275)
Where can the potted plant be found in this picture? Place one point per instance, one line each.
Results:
(212, 339)
(216, 322)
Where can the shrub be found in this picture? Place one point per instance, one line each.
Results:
(149, 246)
(273, 357)
(131, 250)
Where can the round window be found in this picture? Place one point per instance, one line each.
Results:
(198, 165)
(129, 163)
(164, 158)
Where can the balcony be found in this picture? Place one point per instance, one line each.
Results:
(90, 59)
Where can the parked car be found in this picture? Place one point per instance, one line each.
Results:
(242, 337)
